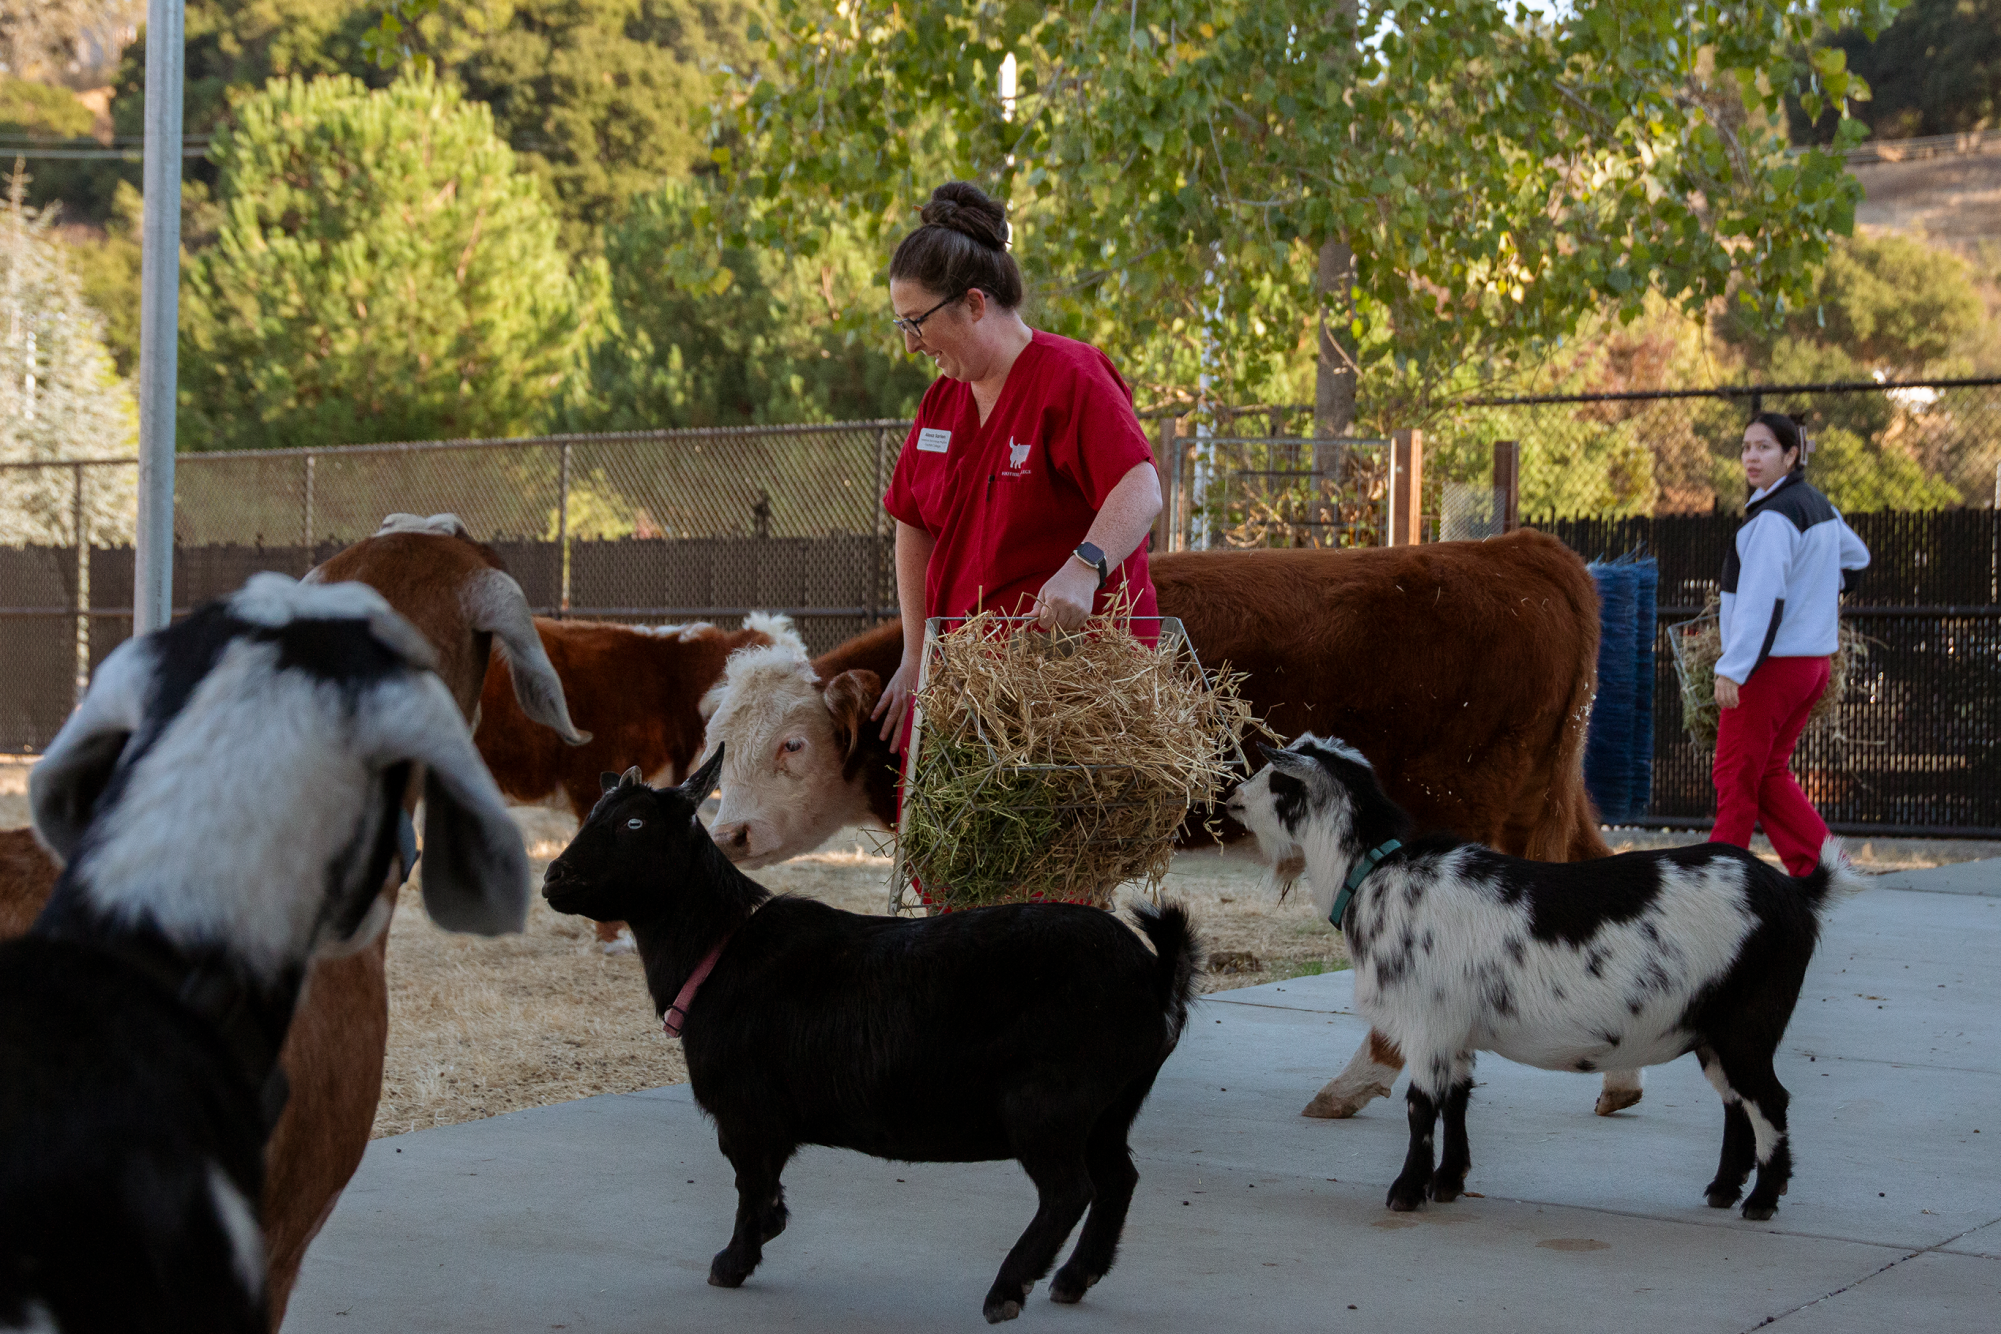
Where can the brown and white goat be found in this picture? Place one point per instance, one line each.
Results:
(460, 598)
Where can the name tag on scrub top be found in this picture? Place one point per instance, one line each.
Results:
(930, 440)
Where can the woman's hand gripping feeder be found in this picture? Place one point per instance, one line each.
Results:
(1060, 766)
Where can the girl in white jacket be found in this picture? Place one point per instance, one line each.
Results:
(1782, 589)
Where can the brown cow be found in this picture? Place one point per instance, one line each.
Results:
(455, 591)
(1463, 670)
(637, 688)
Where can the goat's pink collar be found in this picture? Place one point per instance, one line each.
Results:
(677, 1013)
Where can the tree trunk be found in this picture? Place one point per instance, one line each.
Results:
(1334, 373)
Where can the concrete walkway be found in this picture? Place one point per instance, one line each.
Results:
(602, 1214)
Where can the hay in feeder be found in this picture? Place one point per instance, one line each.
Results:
(1698, 645)
(1059, 766)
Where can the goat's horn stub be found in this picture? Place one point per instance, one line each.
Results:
(631, 777)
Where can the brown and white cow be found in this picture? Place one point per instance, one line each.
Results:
(637, 689)
(1463, 670)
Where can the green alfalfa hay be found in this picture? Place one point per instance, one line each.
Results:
(1698, 646)
(1060, 766)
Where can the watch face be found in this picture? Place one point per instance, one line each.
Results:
(1091, 554)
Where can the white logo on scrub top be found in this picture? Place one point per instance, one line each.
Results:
(1017, 455)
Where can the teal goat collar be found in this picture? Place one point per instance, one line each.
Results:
(1362, 867)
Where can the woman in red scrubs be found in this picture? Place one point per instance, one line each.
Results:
(1026, 486)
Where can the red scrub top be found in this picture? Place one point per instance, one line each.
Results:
(1009, 501)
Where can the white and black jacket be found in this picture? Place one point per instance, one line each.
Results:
(1783, 580)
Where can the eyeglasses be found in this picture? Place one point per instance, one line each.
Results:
(914, 326)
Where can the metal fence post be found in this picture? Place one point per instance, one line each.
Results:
(885, 545)
(563, 529)
(306, 507)
(82, 598)
(159, 317)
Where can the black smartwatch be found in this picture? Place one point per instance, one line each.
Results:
(1094, 558)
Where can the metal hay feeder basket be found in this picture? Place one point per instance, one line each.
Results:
(1114, 808)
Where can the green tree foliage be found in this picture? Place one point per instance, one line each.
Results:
(382, 272)
(1936, 70)
(1496, 175)
(1859, 477)
(107, 262)
(47, 112)
(60, 398)
(734, 337)
(601, 98)
(1893, 303)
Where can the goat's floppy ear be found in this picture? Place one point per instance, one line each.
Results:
(494, 603)
(475, 870)
(703, 781)
(851, 696)
(64, 786)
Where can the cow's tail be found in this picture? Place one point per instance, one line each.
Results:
(1572, 830)
(1831, 881)
(1180, 959)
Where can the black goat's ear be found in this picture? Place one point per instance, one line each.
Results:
(607, 782)
(703, 780)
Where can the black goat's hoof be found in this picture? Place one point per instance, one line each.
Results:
(1405, 1199)
(1445, 1189)
(1758, 1213)
(1721, 1196)
(727, 1272)
(1002, 1310)
(1069, 1287)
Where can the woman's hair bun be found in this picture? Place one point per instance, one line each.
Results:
(966, 209)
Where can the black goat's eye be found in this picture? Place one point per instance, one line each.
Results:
(635, 823)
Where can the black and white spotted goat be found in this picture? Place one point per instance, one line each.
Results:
(228, 804)
(1611, 964)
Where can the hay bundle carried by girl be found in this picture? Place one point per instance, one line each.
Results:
(1058, 766)
(1698, 645)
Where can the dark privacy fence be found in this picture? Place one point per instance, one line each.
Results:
(1916, 745)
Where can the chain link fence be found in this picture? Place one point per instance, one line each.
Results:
(651, 527)
(641, 527)
(1917, 445)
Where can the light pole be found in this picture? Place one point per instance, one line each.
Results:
(159, 317)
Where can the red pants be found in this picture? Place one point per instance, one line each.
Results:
(1754, 752)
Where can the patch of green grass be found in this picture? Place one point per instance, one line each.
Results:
(1285, 972)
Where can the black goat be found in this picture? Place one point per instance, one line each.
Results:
(228, 803)
(1029, 1031)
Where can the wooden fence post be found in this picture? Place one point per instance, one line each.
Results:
(1406, 490)
(1508, 484)
(1167, 465)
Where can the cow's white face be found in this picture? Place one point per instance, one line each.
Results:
(784, 792)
